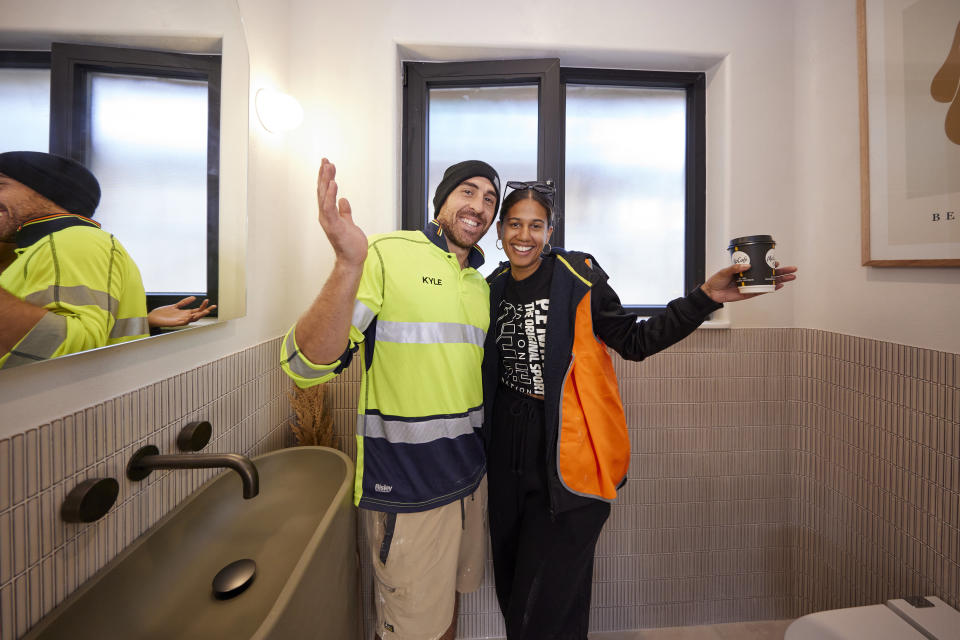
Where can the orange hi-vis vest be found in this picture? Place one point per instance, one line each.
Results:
(586, 434)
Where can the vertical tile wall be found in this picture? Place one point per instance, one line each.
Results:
(42, 558)
(702, 530)
(775, 472)
(878, 471)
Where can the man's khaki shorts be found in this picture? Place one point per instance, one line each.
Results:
(429, 556)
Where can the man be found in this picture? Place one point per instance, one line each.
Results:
(7, 254)
(71, 287)
(416, 304)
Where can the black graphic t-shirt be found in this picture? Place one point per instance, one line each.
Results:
(522, 330)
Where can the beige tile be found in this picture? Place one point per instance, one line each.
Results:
(21, 605)
(765, 630)
(17, 467)
(19, 537)
(705, 632)
(6, 611)
(6, 546)
(32, 463)
(6, 497)
(615, 635)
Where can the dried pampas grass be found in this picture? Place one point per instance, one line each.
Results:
(313, 424)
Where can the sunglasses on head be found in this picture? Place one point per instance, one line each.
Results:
(542, 186)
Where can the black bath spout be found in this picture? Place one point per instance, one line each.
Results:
(148, 458)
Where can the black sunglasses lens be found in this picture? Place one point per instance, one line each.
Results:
(536, 186)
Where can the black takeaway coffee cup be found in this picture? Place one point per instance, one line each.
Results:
(756, 251)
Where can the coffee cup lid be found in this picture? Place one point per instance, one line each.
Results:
(750, 240)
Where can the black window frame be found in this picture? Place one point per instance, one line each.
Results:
(552, 79)
(70, 121)
(25, 59)
(71, 64)
(420, 77)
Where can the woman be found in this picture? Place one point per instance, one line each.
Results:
(556, 435)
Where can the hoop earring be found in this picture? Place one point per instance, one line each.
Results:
(547, 248)
(499, 244)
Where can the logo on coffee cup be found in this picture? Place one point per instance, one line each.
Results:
(771, 259)
(740, 257)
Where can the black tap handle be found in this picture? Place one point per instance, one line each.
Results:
(194, 436)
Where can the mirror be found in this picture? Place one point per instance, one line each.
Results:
(210, 28)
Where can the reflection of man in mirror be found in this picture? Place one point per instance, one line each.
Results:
(71, 286)
(7, 254)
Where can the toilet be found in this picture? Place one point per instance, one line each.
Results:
(920, 618)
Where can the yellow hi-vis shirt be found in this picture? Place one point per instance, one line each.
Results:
(86, 280)
(419, 323)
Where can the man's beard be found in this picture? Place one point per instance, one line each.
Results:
(454, 234)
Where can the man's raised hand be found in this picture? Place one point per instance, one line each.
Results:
(348, 240)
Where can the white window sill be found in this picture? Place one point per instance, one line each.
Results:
(721, 323)
(716, 323)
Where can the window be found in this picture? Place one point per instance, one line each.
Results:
(25, 100)
(625, 149)
(146, 123)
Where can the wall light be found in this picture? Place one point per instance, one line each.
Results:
(278, 112)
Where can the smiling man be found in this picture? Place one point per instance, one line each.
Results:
(416, 304)
(70, 286)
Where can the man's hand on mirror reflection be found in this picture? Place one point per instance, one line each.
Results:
(176, 315)
(348, 240)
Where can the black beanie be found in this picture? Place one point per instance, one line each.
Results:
(459, 172)
(63, 181)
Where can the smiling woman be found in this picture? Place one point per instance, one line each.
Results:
(143, 112)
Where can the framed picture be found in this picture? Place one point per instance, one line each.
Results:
(909, 64)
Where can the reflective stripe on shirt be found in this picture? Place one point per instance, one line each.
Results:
(82, 296)
(407, 431)
(429, 333)
(298, 364)
(129, 327)
(362, 316)
(78, 295)
(40, 343)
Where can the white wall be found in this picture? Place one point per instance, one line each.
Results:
(345, 68)
(782, 158)
(913, 306)
(782, 131)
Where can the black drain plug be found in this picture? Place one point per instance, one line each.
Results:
(234, 578)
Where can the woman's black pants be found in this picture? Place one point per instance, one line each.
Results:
(542, 562)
